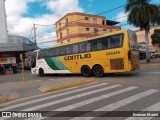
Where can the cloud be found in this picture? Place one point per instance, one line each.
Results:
(121, 17)
(18, 24)
(61, 7)
(48, 39)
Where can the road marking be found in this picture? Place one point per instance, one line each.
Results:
(85, 102)
(126, 101)
(70, 98)
(44, 94)
(155, 107)
(53, 96)
(123, 102)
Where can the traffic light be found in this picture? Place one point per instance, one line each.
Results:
(22, 56)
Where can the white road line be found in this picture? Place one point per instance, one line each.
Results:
(69, 98)
(123, 102)
(44, 94)
(85, 102)
(49, 97)
(126, 101)
(155, 107)
(88, 101)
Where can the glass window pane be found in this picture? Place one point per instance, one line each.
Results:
(75, 48)
(85, 46)
(115, 41)
(41, 54)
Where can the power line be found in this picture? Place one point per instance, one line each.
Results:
(84, 18)
(91, 16)
(55, 40)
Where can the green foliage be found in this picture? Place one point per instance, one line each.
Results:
(142, 14)
(156, 37)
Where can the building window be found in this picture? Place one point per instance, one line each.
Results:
(95, 30)
(67, 31)
(110, 30)
(87, 29)
(103, 22)
(94, 21)
(86, 18)
(66, 21)
(104, 31)
(59, 25)
(61, 35)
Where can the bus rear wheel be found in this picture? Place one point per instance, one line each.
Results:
(98, 71)
(86, 71)
(41, 72)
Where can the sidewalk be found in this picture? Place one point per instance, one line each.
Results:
(14, 90)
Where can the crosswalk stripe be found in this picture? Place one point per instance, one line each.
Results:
(45, 94)
(85, 102)
(70, 98)
(123, 102)
(53, 96)
(155, 107)
(126, 100)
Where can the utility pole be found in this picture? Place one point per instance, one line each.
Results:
(35, 41)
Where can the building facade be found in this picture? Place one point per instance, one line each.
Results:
(75, 26)
(3, 23)
(141, 38)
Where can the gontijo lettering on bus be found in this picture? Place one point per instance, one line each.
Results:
(77, 57)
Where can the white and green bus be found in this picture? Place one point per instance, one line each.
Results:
(112, 53)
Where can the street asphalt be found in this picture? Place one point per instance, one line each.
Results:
(125, 92)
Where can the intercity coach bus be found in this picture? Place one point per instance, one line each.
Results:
(111, 53)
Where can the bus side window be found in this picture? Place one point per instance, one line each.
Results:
(75, 48)
(41, 54)
(61, 50)
(85, 46)
(116, 41)
(94, 45)
(69, 49)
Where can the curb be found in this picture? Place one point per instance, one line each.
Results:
(45, 89)
(10, 97)
(151, 64)
(2, 100)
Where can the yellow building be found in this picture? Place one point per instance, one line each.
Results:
(141, 38)
(75, 26)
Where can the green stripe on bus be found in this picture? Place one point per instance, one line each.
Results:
(55, 64)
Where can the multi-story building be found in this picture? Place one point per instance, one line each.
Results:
(3, 23)
(75, 26)
(141, 39)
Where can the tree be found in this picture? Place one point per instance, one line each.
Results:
(143, 14)
(156, 37)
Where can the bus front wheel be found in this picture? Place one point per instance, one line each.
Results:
(41, 72)
(98, 71)
(86, 71)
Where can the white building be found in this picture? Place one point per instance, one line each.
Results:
(3, 23)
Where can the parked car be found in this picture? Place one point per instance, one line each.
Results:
(155, 56)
